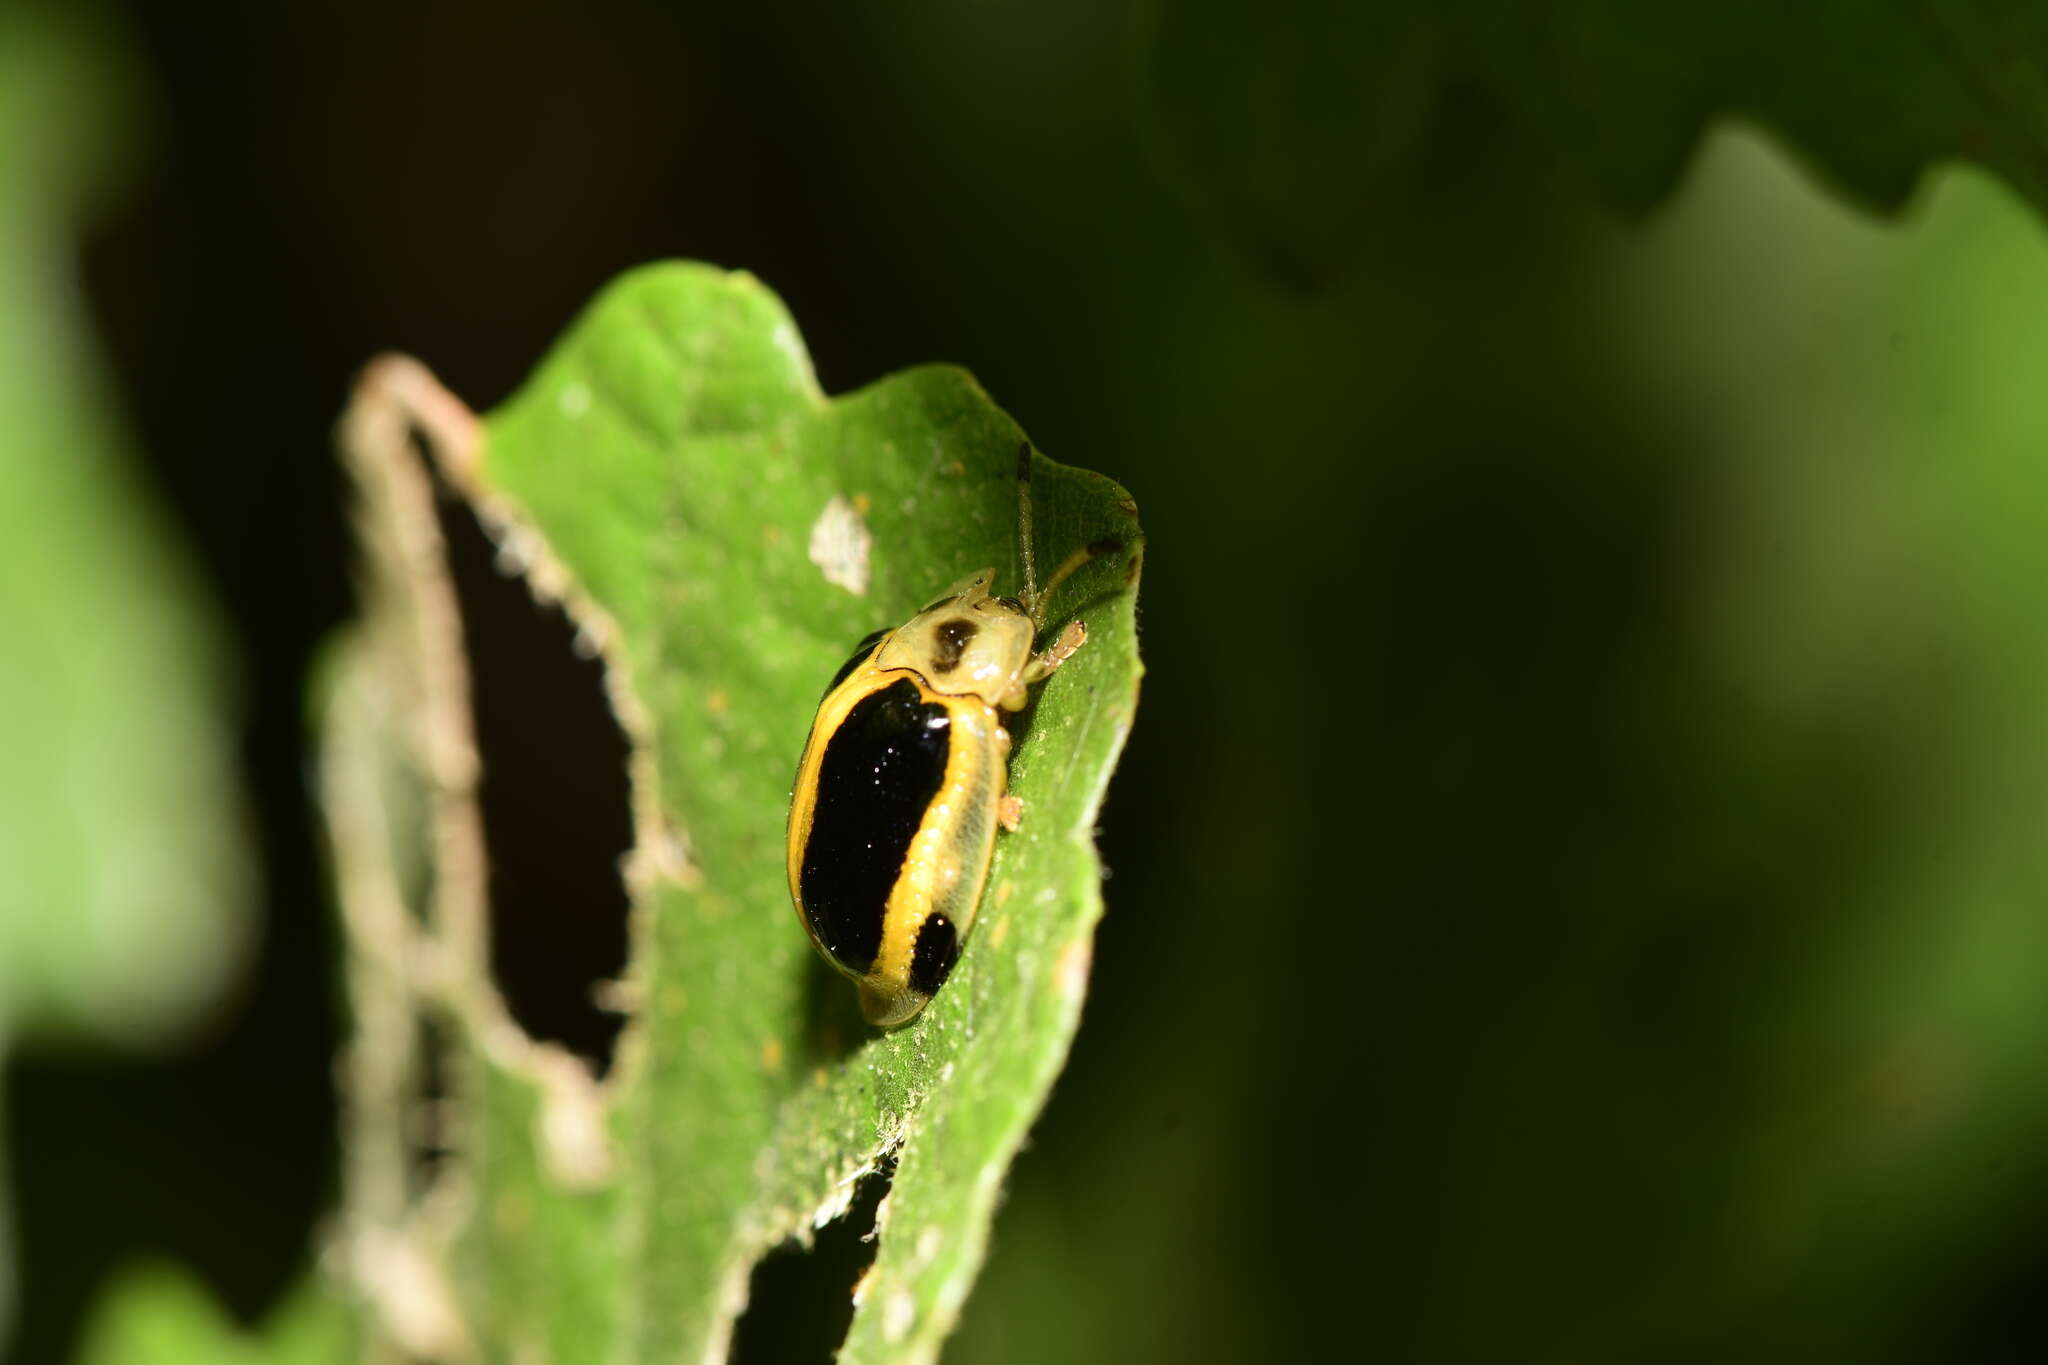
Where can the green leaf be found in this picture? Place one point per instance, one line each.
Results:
(723, 534)
(124, 906)
(159, 1313)
(1292, 119)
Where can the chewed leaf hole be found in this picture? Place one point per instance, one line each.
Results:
(428, 1129)
(555, 795)
(800, 1302)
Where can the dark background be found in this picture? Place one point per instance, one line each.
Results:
(1575, 889)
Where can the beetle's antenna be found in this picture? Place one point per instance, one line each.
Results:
(1024, 529)
(1108, 546)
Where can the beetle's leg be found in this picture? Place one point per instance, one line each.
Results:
(1010, 812)
(1062, 649)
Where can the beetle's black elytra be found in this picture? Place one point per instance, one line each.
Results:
(938, 948)
(881, 768)
(949, 642)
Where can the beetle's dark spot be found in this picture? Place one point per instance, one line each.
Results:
(1012, 603)
(949, 642)
(860, 654)
(882, 767)
(938, 948)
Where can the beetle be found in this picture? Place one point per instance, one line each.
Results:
(904, 778)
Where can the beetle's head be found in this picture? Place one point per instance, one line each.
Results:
(965, 644)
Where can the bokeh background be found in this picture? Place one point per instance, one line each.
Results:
(1578, 881)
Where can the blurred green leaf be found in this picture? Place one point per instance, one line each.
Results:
(161, 1314)
(726, 533)
(1291, 119)
(124, 905)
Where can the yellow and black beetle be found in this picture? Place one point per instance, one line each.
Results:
(904, 779)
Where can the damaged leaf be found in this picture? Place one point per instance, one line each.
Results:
(717, 534)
